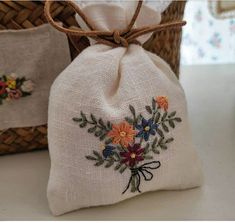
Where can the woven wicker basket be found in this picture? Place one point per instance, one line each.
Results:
(28, 14)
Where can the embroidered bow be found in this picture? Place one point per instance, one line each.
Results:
(143, 170)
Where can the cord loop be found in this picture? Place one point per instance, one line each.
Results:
(111, 38)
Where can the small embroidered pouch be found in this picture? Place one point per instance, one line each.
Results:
(122, 127)
(30, 61)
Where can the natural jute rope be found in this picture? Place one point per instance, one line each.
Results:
(112, 38)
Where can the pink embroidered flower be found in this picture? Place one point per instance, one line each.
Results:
(14, 94)
(2, 88)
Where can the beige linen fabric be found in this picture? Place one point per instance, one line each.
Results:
(104, 81)
(38, 54)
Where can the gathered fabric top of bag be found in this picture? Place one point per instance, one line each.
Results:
(104, 23)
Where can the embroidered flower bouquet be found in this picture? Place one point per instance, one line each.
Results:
(132, 141)
(118, 121)
(13, 87)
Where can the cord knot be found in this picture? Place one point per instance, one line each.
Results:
(118, 39)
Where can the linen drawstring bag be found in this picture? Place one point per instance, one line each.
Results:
(118, 124)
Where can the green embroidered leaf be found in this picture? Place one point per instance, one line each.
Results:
(165, 128)
(101, 122)
(132, 109)
(154, 142)
(4, 96)
(178, 119)
(82, 125)
(93, 118)
(109, 163)
(148, 109)
(146, 148)
(169, 140)
(172, 114)
(24, 94)
(108, 141)
(98, 133)
(91, 158)
(153, 104)
(164, 116)
(97, 155)
(23, 79)
(160, 133)
(171, 124)
(99, 163)
(160, 141)
(92, 129)
(155, 151)
(157, 117)
(122, 169)
(117, 167)
(77, 119)
(163, 146)
(109, 125)
(138, 119)
(102, 137)
(120, 148)
(115, 154)
(148, 157)
(129, 120)
(83, 116)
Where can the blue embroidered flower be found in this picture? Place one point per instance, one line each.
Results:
(147, 128)
(108, 151)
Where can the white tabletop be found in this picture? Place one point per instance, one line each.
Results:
(210, 92)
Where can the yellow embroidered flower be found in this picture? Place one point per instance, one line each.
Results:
(162, 102)
(122, 134)
(11, 84)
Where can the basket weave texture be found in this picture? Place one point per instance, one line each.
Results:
(28, 14)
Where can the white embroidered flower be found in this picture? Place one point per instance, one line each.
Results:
(8, 90)
(27, 86)
(12, 76)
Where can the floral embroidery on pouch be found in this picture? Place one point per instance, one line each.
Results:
(134, 143)
(13, 87)
(122, 134)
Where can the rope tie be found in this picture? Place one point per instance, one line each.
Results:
(113, 38)
(118, 39)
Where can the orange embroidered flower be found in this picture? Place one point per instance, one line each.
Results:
(122, 134)
(162, 102)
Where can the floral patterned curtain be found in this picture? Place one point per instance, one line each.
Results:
(206, 40)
